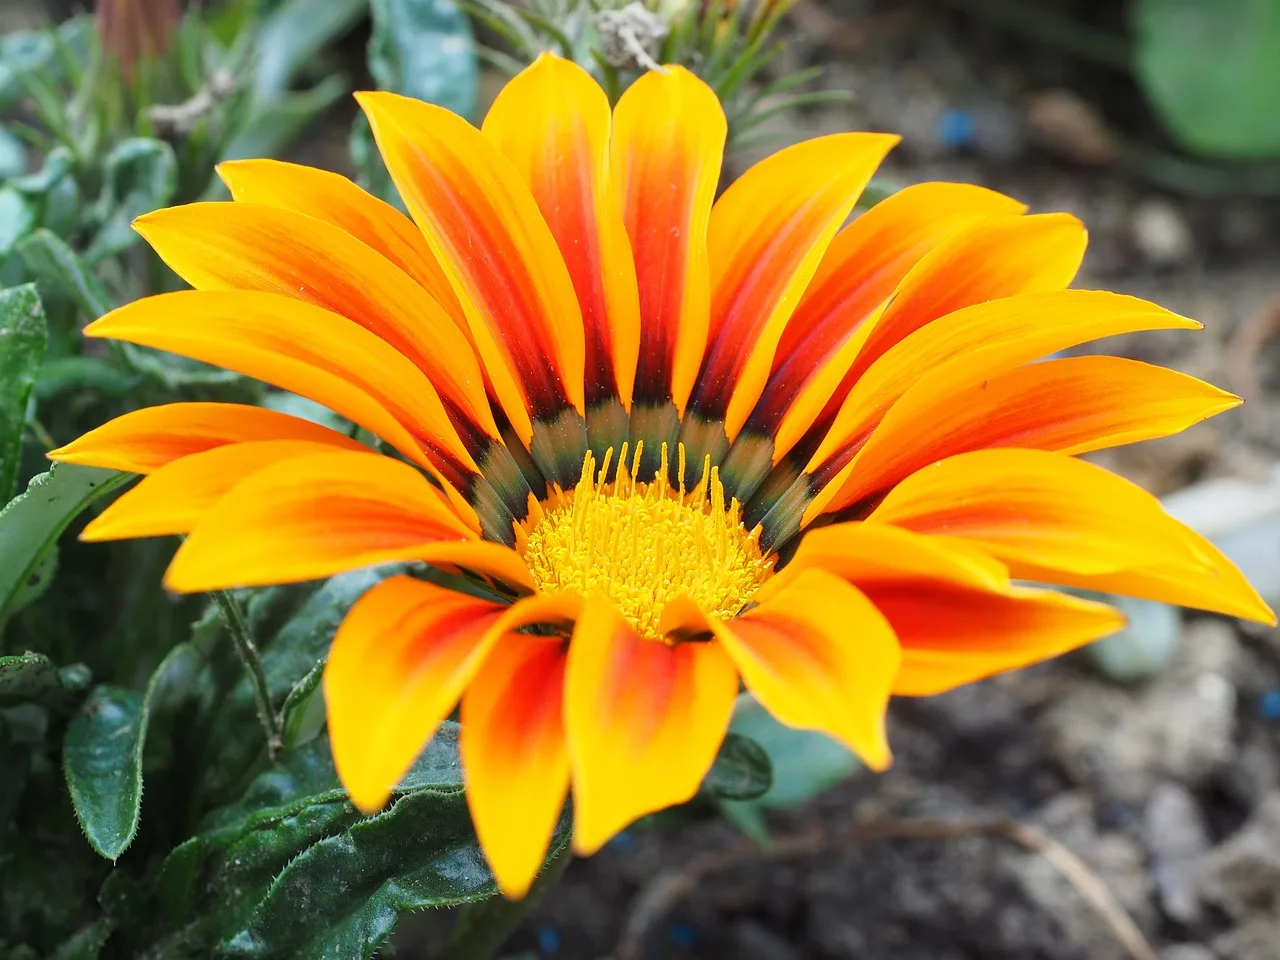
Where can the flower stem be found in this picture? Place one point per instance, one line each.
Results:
(242, 637)
(484, 926)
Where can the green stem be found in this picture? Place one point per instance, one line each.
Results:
(484, 926)
(242, 637)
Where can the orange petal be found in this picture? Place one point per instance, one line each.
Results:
(995, 337)
(174, 497)
(819, 656)
(1051, 516)
(668, 142)
(994, 258)
(1072, 406)
(644, 721)
(146, 439)
(767, 233)
(552, 122)
(251, 246)
(316, 516)
(334, 199)
(400, 661)
(951, 637)
(860, 269)
(864, 554)
(300, 348)
(501, 259)
(514, 754)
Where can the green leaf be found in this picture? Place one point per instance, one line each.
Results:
(274, 124)
(32, 522)
(102, 753)
(89, 373)
(140, 175)
(22, 341)
(27, 677)
(1212, 73)
(303, 710)
(51, 260)
(742, 770)
(421, 853)
(18, 217)
(424, 49)
(804, 762)
(13, 155)
(218, 885)
(37, 581)
(86, 943)
(293, 35)
(21, 52)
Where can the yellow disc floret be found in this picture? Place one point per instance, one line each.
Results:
(644, 544)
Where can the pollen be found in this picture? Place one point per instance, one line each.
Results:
(643, 544)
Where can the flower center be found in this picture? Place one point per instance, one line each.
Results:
(644, 544)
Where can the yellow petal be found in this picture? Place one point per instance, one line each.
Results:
(667, 146)
(514, 751)
(147, 439)
(644, 721)
(501, 259)
(174, 497)
(818, 655)
(552, 121)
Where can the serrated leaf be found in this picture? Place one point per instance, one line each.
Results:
(32, 522)
(211, 886)
(1212, 72)
(22, 341)
(27, 677)
(303, 711)
(52, 261)
(742, 770)
(102, 753)
(420, 853)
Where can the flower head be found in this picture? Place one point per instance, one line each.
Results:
(670, 443)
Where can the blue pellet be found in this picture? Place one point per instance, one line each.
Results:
(548, 939)
(956, 128)
(1269, 704)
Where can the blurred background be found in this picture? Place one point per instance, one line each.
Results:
(1153, 758)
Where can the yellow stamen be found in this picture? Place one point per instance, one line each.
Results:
(644, 544)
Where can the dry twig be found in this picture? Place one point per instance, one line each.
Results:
(669, 887)
(1241, 361)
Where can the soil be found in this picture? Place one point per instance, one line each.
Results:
(1168, 792)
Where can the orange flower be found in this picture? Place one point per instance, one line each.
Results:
(673, 445)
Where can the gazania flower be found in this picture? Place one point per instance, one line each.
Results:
(668, 445)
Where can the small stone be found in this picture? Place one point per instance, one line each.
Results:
(1178, 727)
(752, 940)
(1242, 876)
(1176, 839)
(1187, 951)
(1254, 939)
(1062, 122)
(1160, 233)
(1145, 647)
